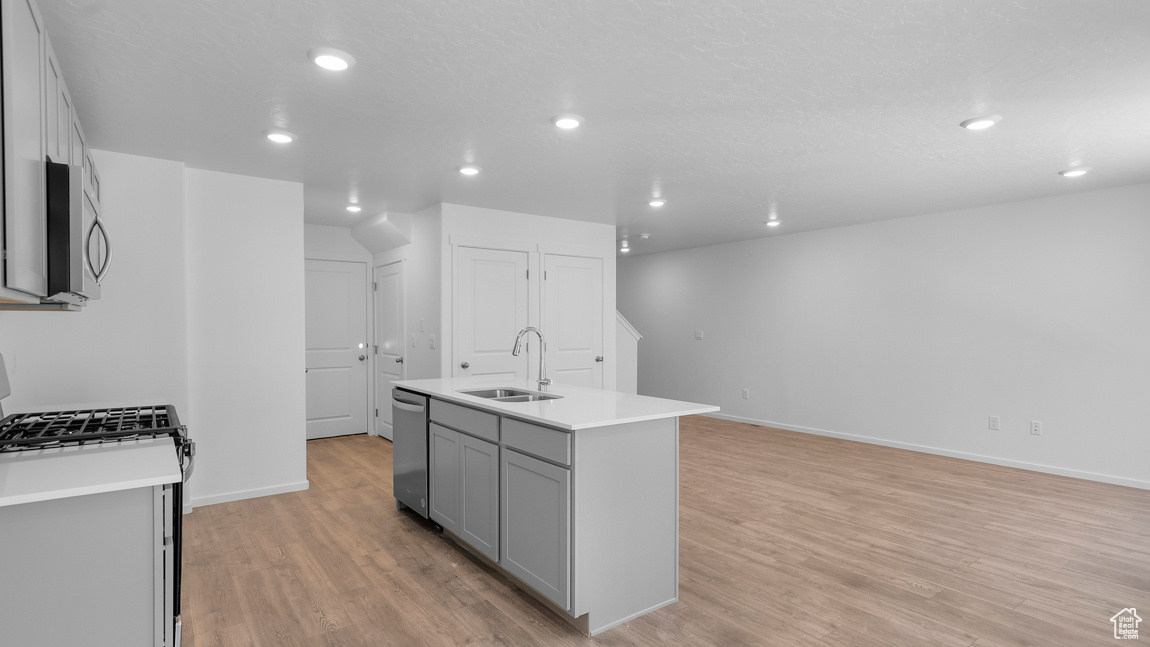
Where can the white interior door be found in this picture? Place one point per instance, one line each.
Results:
(491, 307)
(335, 297)
(573, 319)
(389, 341)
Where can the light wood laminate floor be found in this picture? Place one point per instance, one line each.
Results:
(786, 539)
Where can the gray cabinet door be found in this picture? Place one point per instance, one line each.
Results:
(24, 79)
(537, 524)
(479, 495)
(81, 570)
(444, 477)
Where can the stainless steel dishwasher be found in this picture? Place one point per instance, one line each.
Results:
(409, 450)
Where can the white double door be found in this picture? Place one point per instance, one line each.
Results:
(500, 292)
(339, 355)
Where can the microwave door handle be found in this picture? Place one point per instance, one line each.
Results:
(87, 245)
(107, 250)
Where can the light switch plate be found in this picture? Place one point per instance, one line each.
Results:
(698, 334)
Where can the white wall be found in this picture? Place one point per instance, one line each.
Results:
(130, 347)
(333, 244)
(627, 351)
(246, 334)
(489, 226)
(202, 309)
(912, 332)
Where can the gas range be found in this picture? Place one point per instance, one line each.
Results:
(41, 451)
(28, 431)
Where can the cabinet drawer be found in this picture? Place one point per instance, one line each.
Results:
(544, 442)
(465, 419)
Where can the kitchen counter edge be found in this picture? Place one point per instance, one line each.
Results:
(636, 408)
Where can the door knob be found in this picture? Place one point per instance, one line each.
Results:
(464, 365)
(598, 358)
(398, 360)
(362, 357)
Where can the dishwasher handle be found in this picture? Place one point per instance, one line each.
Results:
(407, 406)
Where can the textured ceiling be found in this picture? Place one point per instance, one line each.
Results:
(830, 112)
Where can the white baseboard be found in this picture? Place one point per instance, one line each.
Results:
(249, 494)
(993, 460)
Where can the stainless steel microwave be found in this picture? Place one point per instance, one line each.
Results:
(78, 247)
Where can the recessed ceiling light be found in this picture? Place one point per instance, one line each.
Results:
(657, 202)
(624, 249)
(567, 122)
(354, 208)
(981, 123)
(279, 136)
(1077, 171)
(772, 223)
(644, 236)
(331, 59)
(469, 170)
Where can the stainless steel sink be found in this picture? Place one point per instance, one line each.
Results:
(507, 394)
(496, 393)
(533, 397)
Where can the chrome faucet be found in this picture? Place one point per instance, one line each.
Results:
(543, 380)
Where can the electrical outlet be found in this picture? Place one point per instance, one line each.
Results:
(1035, 427)
(414, 341)
(432, 344)
(420, 325)
(746, 394)
(698, 334)
(994, 423)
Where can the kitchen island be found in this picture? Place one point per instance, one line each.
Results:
(575, 497)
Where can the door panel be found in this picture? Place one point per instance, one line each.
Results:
(491, 307)
(53, 81)
(389, 340)
(479, 496)
(24, 145)
(444, 471)
(329, 392)
(335, 296)
(536, 524)
(64, 124)
(573, 319)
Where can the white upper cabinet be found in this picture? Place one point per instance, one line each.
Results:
(25, 145)
(40, 124)
(53, 82)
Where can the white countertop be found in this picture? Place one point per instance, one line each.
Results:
(579, 408)
(44, 474)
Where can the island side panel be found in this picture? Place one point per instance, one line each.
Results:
(626, 520)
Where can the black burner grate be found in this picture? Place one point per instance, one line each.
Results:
(60, 428)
